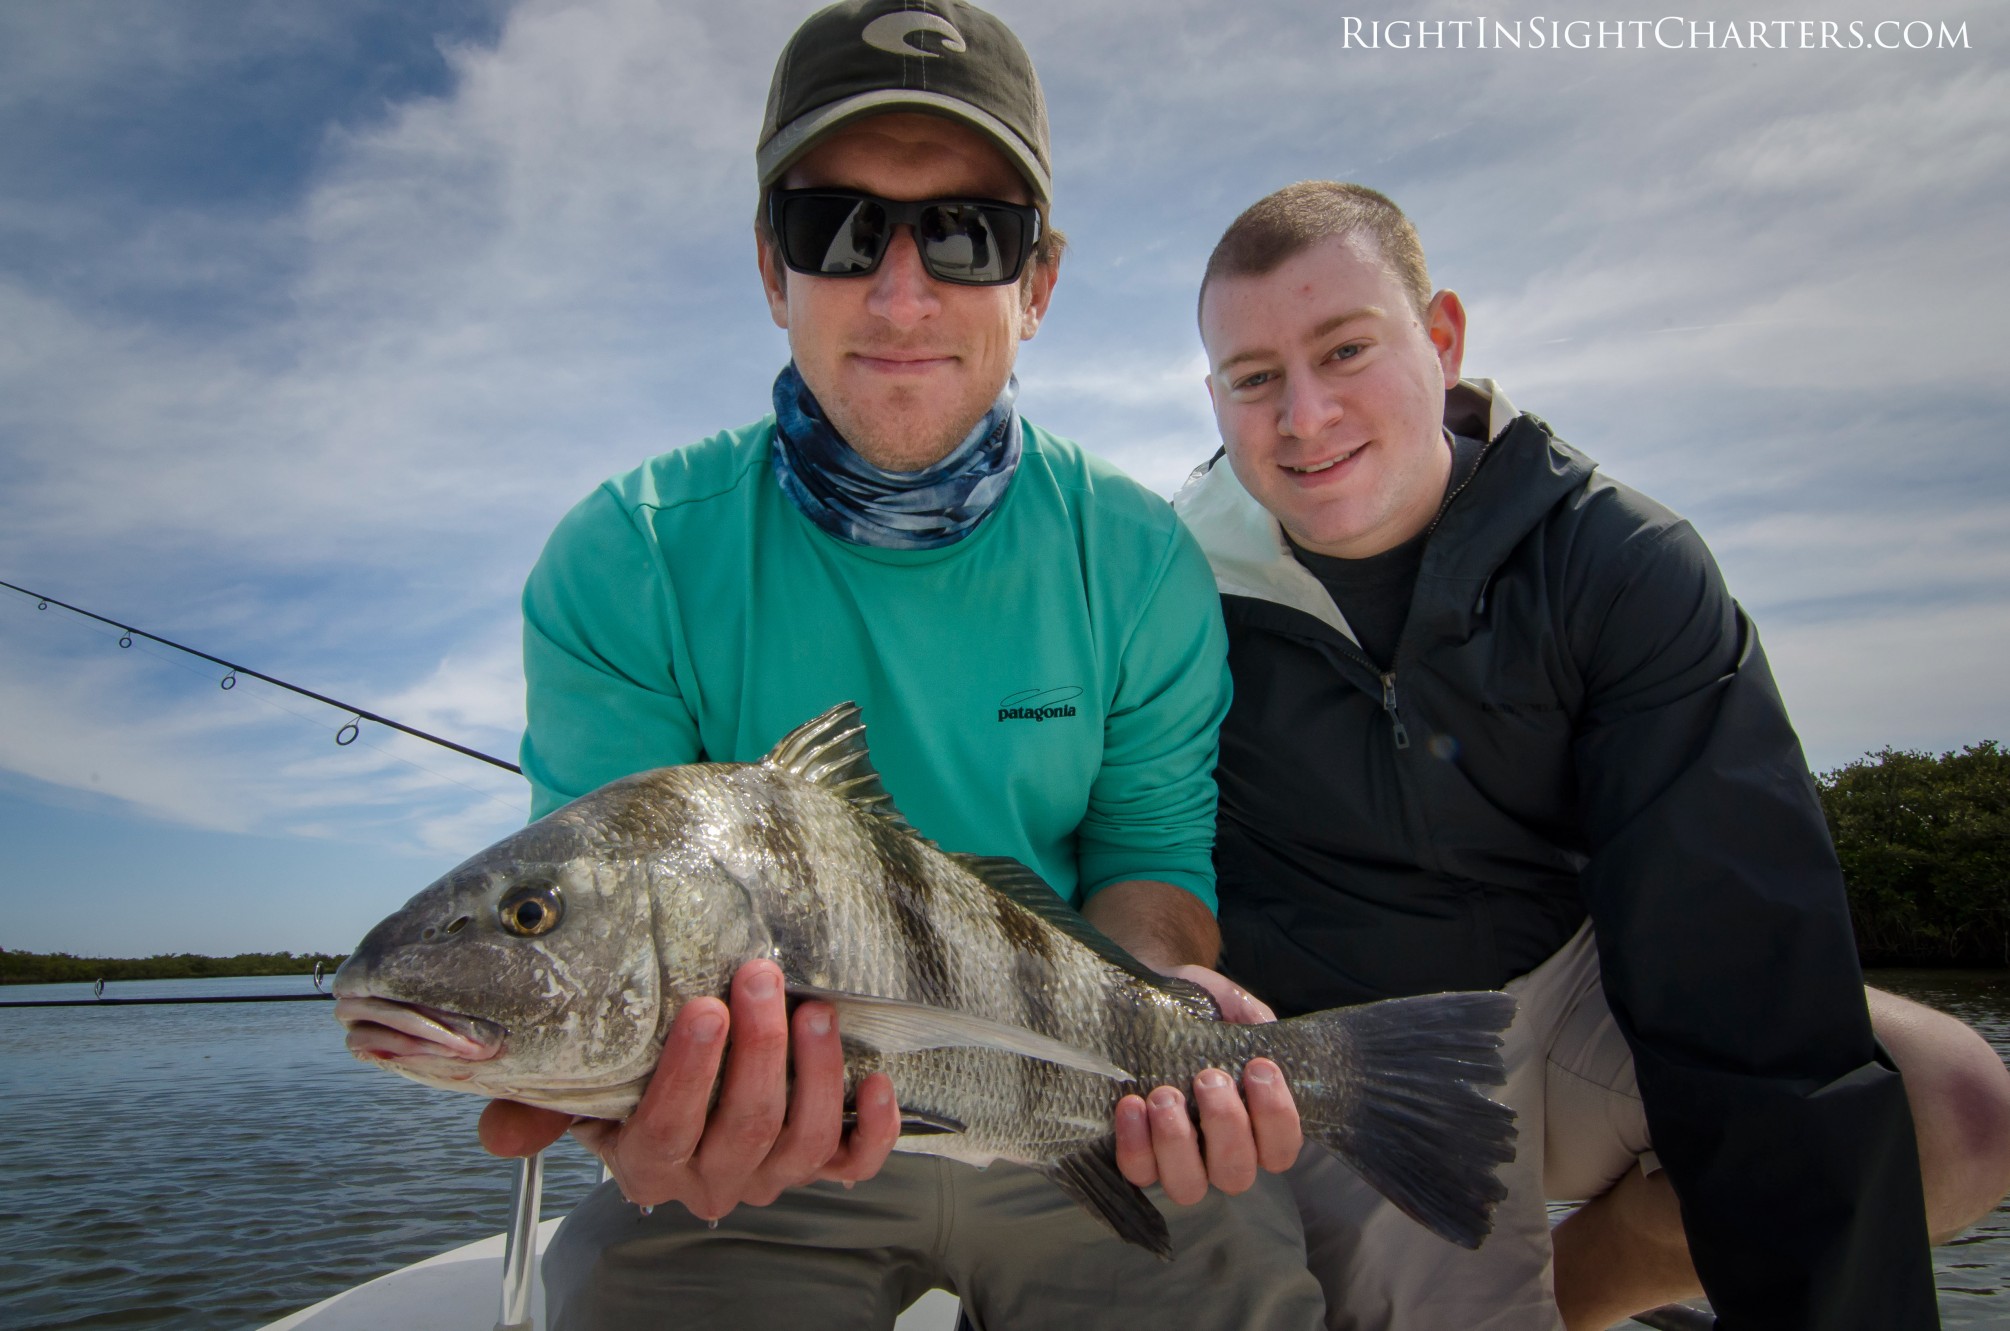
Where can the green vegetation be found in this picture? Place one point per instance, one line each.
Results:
(61, 967)
(1925, 849)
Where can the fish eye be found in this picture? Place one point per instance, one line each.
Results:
(530, 911)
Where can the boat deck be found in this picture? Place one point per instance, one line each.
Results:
(460, 1290)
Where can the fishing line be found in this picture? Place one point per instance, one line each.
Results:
(357, 715)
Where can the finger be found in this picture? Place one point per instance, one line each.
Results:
(597, 1135)
(1182, 1174)
(815, 1121)
(1244, 1008)
(1226, 1140)
(1237, 1004)
(1134, 1142)
(872, 1137)
(1273, 1115)
(510, 1129)
(753, 1095)
(667, 1126)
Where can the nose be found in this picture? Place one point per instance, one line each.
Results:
(1307, 408)
(902, 291)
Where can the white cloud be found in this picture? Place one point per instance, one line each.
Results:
(150, 727)
(1889, 556)
(1898, 143)
(74, 732)
(1145, 411)
(479, 689)
(480, 276)
(1769, 285)
(1925, 679)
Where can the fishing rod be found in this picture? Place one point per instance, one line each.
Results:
(345, 736)
(98, 998)
(136, 1002)
(357, 714)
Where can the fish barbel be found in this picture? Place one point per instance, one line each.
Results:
(547, 970)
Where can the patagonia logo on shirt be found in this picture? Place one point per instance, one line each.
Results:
(1039, 704)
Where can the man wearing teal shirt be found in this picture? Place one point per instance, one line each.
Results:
(1035, 645)
(1046, 687)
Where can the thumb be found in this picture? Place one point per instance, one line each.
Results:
(510, 1129)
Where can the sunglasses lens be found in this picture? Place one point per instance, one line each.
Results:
(832, 234)
(971, 243)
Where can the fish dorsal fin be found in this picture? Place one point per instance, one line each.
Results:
(1013, 879)
(830, 751)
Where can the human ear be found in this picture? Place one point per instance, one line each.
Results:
(1039, 291)
(774, 277)
(1445, 323)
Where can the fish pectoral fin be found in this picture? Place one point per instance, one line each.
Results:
(1092, 1179)
(893, 1026)
(916, 1123)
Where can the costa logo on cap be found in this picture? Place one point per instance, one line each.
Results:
(862, 58)
(897, 34)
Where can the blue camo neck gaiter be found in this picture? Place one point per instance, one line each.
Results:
(856, 501)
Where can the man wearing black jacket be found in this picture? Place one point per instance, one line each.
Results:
(1498, 723)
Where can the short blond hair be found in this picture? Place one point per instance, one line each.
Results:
(1282, 224)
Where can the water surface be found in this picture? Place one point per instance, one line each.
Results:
(222, 1165)
(1973, 1272)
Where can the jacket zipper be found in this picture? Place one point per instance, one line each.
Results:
(1388, 677)
(1402, 736)
(1485, 446)
(1398, 731)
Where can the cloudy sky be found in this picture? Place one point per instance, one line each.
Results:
(314, 319)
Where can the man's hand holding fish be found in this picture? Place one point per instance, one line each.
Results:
(769, 1131)
(780, 1117)
(1159, 1142)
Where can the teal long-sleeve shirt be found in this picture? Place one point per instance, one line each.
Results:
(1047, 688)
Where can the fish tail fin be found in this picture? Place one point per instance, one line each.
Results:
(1390, 1088)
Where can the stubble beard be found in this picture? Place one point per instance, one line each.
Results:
(901, 435)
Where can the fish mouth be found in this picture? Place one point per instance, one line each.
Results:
(385, 1030)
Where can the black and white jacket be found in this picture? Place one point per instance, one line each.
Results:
(1578, 719)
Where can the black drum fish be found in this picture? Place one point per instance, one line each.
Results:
(547, 970)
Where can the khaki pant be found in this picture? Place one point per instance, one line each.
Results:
(1579, 1127)
(1006, 1241)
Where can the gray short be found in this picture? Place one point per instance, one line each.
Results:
(1581, 1127)
(1005, 1240)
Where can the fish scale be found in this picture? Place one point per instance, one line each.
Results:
(1009, 1026)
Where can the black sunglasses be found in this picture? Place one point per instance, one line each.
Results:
(843, 233)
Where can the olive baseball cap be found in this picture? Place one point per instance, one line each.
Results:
(867, 57)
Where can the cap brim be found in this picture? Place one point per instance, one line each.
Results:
(795, 139)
